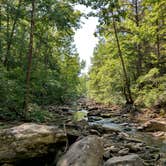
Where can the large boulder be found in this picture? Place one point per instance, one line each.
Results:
(85, 152)
(128, 160)
(154, 125)
(28, 140)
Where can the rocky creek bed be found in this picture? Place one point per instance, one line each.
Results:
(93, 136)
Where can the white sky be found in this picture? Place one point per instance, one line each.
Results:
(84, 38)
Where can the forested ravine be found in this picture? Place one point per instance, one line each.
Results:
(53, 114)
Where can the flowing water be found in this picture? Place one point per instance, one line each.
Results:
(145, 137)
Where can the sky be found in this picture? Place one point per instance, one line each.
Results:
(84, 38)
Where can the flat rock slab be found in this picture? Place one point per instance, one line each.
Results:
(128, 160)
(154, 125)
(27, 141)
(85, 152)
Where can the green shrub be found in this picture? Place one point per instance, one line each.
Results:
(37, 114)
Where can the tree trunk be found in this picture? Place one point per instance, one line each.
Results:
(21, 46)
(0, 29)
(138, 46)
(30, 53)
(7, 36)
(10, 36)
(127, 91)
(158, 43)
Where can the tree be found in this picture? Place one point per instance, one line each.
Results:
(127, 91)
(30, 54)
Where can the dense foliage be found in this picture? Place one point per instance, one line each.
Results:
(39, 64)
(131, 52)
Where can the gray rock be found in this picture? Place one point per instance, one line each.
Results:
(123, 135)
(128, 160)
(27, 141)
(95, 132)
(163, 162)
(123, 151)
(114, 149)
(109, 129)
(135, 147)
(94, 112)
(153, 125)
(106, 114)
(107, 154)
(86, 152)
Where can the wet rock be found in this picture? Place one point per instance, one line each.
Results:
(128, 160)
(94, 118)
(101, 112)
(106, 115)
(110, 151)
(93, 108)
(94, 112)
(114, 149)
(153, 125)
(28, 141)
(160, 134)
(148, 157)
(95, 132)
(152, 149)
(107, 154)
(123, 135)
(87, 151)
(135, 147)
(127, 129)
(105, 129)
(134, 140)
(77, 128)
(162, 162)
(111, 129)
(106, 126)
(97, 127)
(123, 152)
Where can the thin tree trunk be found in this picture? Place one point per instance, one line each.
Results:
(158, 43)
(139, 61)
(7, 41)
(10, 37)
(127, 91)
(30, 54)
(136, 13)
(22, 45)
(138, 46)
(0, 29)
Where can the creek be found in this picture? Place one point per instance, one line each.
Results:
(128, 128)
(145, 137)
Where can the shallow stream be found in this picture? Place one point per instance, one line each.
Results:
(145, 137)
